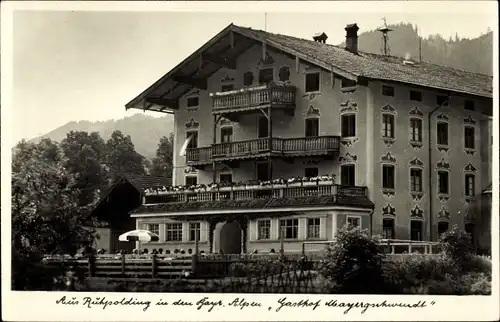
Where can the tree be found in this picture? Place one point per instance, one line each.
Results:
(122, 158)
(85, 158)
(162, 163)
(45, 213)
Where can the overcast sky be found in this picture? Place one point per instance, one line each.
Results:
(76, 65)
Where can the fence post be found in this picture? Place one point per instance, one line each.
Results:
(409, 248)
(194, 263)
(303, 250)
(91, 265)
(153, 266)
(123, 265)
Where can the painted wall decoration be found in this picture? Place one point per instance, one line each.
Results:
(192, 124)
(469, 120)
(227, 79)
(224, 121)
(469, 168)
(248, 78)
(416, 163)
(388, 158)
(348, 106)
(348, 158)
(311, 111)
(443, 214)
(415, 112)
(190, 170)
(388, 108)
(311, 96)
(416, 213)
(388, 211)
(443, 165)
(269, 60)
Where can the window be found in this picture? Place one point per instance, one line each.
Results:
(347, 83)
(388, 126)
(443, 182)
(192, 102)
(442, 227)
(174, 232)
(353, 222)
(313, 226)
(442, 133)
(226, 177)
(227, 87)
(416, 130)
(442, 100)
(469, 185)
(266, 76)
(154, 228)
(416, 230)
(388, 228)
(311, 172)
(191, 180)
(416, 180)
(226, 134)
(348, 125)
(194, 231)
(347, 175)
(388, 176)
(387, 90)
(469, 105)
(312, 127)
(415, 96)
(193, 143)
(289, 228)
(312, 82)
(264, 227)
(469, 137)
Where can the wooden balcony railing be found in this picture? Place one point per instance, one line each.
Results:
(251, 192)
(293, 146)
(279, 95)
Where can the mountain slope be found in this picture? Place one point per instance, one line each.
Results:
(474, 55)
(144, 130)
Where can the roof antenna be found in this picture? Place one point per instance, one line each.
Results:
(265, 21)
(385, 49)
(419, 45)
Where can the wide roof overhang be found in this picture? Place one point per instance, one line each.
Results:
(219, 52)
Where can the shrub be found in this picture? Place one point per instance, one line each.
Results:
(457, 244)
(353, 264)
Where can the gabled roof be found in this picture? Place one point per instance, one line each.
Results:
(233, 40)
(488, 190)
(143, 182)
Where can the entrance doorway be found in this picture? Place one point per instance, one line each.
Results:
(230, 238)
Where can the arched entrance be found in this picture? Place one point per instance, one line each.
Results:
(229, 238)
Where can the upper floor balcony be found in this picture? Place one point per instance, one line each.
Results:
(276, 96)
(274, 147)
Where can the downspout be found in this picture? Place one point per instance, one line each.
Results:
(429, 136)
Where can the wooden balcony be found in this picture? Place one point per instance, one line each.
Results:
(259, 191)
(305, 146)
(251, 98)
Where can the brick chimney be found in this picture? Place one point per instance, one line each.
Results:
(351, 38)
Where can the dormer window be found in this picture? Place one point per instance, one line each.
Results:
(312, 82)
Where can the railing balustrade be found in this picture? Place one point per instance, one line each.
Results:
(254, 96)
(288, 146)
(252, 192)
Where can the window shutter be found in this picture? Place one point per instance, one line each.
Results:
(322, 228)
(203, 231)
(253, 230)
(302, 228)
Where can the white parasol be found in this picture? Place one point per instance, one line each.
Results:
(139, 235)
